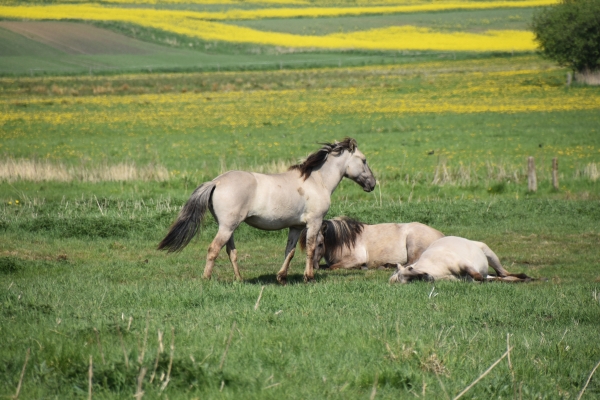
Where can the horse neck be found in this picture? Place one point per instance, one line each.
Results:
(332, 171)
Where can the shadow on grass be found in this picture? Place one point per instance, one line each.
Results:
(271, 279)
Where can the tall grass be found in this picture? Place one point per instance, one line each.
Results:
(35, 170)
(588, 77)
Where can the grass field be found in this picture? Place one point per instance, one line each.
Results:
(79, 275)
(94, 169)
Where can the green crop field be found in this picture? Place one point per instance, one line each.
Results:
(95, 168)
(473, 21)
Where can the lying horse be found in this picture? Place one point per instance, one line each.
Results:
(453, 258)
(347, 243)
(294, 199)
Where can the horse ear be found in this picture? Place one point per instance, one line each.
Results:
(352, 145)
(324, 228)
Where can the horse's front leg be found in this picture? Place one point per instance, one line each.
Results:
(312, 230)
(290, 250)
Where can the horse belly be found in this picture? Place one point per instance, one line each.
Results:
(386, 253)
(276, 205)
(273, 222)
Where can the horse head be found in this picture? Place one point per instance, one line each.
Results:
(407, 274)
(357, 168)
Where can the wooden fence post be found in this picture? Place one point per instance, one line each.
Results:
(531, 177)
(555, 173)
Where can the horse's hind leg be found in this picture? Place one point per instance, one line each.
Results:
(494, 261)
(312, 230)
(472, 272)
(290, 250)
(232, 252)
(223, 236)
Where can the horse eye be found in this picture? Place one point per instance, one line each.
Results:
(364, 161)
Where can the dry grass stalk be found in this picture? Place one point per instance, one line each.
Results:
(259, 297)
(465, 175)
(99, 345)
(143, 352)
(139, 393)
(374, 391)
(123, 347)
(588, 77)
(487, 371)
(592, 172)
(90, 376)
(510, 367)
(443, 387)
(227, 347)
(435, 365)
(166, 382)
(588, 381)
(16, 396)
(34, 170)
(272, 167)
(158, 353)
(441, 175)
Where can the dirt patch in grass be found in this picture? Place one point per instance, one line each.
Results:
(77, 38)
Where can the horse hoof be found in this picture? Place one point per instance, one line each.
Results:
(309, 279)
(206, 278)
(282, 280)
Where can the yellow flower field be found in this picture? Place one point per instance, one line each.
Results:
(496, 92)
(202, 25)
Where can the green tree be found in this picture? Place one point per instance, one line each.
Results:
(569, 33)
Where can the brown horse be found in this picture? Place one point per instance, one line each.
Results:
(453, 258)
(294, 199)
(347, 243)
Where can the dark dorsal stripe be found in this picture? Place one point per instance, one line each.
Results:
(316, 159)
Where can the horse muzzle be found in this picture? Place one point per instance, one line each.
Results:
(369, 185)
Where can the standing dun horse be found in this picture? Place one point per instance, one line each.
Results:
(347, 243)
(294, 199)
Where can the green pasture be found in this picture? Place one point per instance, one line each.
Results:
(482, 154)
(452, 21)
(75, 266)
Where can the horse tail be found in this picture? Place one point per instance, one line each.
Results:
(513, 278)
(302, 239)
(189, 219)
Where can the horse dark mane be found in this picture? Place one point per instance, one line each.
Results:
(337, 233)
(316, 159)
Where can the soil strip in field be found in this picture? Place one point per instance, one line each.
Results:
(77, 38)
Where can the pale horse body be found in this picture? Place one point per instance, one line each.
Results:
(294, 199)
(347, 243)
(454, 258)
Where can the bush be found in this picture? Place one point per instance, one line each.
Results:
(569, 33)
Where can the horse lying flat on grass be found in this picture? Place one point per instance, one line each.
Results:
(294, 199)
(453, 258)
(347, 243)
